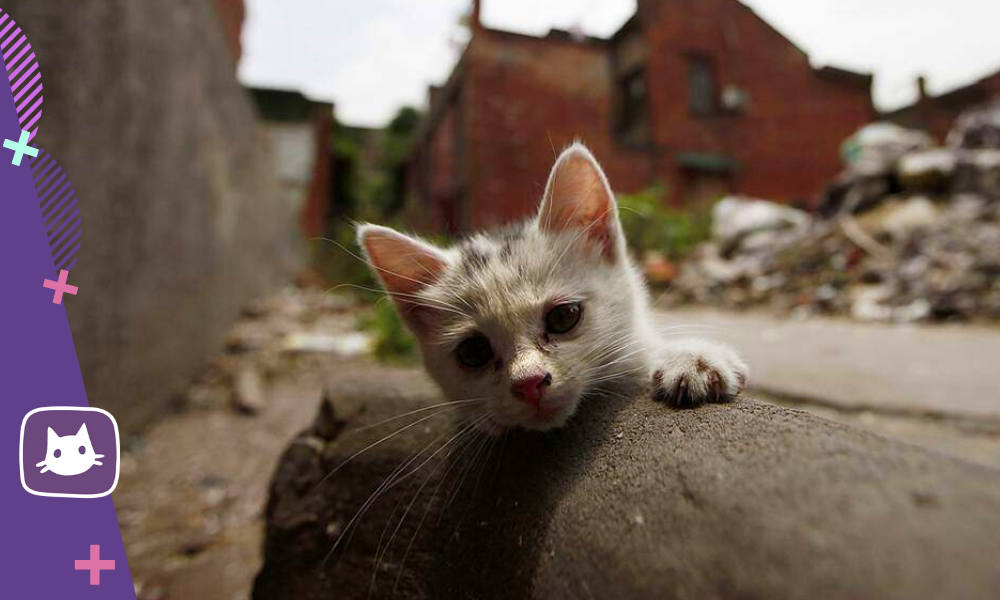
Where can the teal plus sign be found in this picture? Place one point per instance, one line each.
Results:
(20, 148)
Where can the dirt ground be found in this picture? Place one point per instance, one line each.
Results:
(193, 487)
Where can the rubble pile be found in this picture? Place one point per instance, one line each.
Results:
(908, 232)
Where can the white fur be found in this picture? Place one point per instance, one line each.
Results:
(501, 284)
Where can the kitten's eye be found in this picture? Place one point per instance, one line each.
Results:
(57, 453)
(474, 352)
(563, 317)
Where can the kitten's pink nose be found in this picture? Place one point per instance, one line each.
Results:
(531, 389)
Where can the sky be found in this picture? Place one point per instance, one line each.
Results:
(371, 57)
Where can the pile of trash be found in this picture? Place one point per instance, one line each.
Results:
(907, 232)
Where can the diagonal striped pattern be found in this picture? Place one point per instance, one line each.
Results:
(60, 212)
(23, 73)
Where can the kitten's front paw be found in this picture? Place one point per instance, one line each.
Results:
(692, 372)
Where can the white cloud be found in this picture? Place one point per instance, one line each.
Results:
(374, 56)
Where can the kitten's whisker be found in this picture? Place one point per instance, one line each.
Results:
(414, 499)
(601, 353)
(369, 263)
(479, 477)
(463, 447)
(379, 552)
(382, 487)
(619, 360)
(611, 347)
(455, 404)
(413, 299)
(372, 445)
(463, 473)
(388, 484)
(447, 290)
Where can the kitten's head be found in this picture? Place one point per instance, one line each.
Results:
(517, 325)
(69, 454)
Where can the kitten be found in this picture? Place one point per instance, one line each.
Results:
(517, 326)
(69, 454)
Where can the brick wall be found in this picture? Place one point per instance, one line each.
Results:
(785, 142)
(527, 99)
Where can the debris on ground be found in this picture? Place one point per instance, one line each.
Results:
(278, 337)
(344, 344)
(908, 232)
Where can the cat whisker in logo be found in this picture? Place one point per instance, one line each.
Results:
(70, 454)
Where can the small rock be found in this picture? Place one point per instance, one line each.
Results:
(327, 426)
(248, 391)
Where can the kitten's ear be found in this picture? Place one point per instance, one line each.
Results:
(578, 197)
(404, 265)
(83, 432)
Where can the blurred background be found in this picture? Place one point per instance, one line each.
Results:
(816, 183)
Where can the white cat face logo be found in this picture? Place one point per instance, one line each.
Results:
(70, 454)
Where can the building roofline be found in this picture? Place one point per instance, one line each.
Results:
(972, 91)
(554, 35)
(844, 76)
(287, 92)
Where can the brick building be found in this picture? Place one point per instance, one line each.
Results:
(937, 114)
(702, 96)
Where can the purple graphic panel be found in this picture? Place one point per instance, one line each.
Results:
(45, 537)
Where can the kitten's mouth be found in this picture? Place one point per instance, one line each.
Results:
(551, 416)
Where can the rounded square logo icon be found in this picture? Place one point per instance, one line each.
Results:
(69, 452)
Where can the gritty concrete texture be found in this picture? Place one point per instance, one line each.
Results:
(181, 223)
(944, 371)
(959, 439)
(631, 500)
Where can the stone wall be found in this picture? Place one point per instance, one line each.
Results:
(181, 225)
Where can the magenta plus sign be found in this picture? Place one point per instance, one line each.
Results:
(95, 565)
(60, 287)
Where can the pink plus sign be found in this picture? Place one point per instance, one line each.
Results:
(95, 565)
(60, 287)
